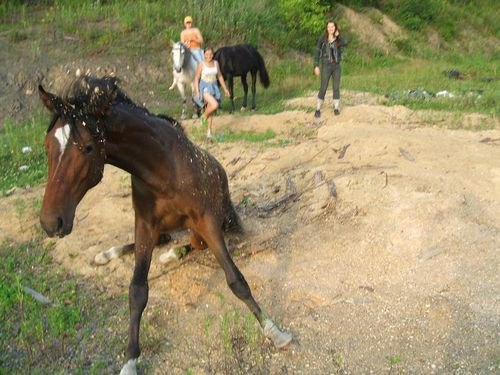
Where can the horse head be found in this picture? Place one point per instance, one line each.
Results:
(75, 146)
(180, 56)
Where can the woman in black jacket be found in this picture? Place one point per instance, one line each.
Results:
(327, 63)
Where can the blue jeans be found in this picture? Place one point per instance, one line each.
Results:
(196, 57)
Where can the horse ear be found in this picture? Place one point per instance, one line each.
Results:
(53, 103)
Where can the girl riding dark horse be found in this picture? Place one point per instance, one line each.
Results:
(237, 61)
(174, 185)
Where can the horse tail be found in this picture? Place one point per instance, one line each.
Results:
(264, 77)
(232, 222)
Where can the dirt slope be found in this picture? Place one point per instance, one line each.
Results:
(387, 260)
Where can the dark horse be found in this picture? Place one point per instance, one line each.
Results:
(174, 185)
(237, 61)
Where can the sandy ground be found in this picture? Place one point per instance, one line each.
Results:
(385, 260)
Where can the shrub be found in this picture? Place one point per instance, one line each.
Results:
(305, 19)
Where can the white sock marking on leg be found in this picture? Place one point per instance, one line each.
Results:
(169, 256)
(130, 368)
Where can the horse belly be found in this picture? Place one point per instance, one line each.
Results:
(172, 221)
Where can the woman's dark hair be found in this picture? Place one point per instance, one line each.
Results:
(326, 28)
(208, 49)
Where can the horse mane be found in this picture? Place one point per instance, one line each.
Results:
(87, 95)
(172, 121)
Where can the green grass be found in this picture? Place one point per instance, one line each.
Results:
(147, 27)
(239, 339)
(395, 363)
(198, 133)
(478, 91)
(67, 334)
(228, 135)
(22, 155)
(83, 330)
(64, 336)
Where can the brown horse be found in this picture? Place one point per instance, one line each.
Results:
(174, 185)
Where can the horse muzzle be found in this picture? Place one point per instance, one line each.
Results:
(56, 225)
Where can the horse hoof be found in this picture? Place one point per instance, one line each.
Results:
(169, 256)
(101, 258)
(195, 116)
(104, 257)
(129, 368)
(243, 109)
(280, 339)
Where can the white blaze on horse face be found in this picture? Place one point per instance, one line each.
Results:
(177, 57)
(62, 136)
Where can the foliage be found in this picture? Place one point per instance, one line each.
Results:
(284, 24)
(305, 20)
(415, 14)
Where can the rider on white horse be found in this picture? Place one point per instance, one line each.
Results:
(183, 73)
(192, 38)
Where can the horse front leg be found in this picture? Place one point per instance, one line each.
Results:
(230, 82)
(182, 91)
(145, 237)
(174, 82)
(254, 90)
(213, 236)
(196, 107)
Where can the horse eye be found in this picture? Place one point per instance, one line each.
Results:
(88, 149)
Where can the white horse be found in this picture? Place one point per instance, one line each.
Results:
(184, 70)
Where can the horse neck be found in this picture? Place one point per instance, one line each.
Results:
(132, 144)
(187, 58)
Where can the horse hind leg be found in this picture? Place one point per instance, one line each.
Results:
(254, 89)
(245, 91)
(179, 252)
(240, 288)
(114, 252)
